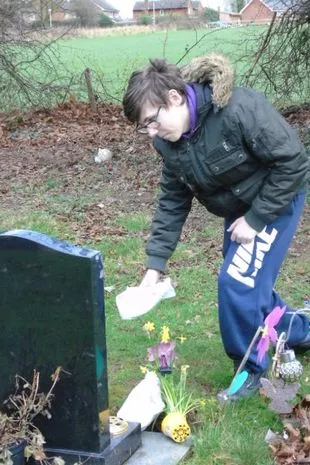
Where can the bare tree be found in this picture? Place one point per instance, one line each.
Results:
(30, 70)
(281, 64)
(85, 12)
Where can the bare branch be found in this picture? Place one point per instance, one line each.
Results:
(281, 65)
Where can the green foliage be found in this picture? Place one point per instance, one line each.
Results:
(38, 25)
(223, 438)
(145, 20)
(239, 5)
(210, 14)
(105, 21)
(176, 395)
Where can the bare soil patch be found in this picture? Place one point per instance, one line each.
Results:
(49, 153)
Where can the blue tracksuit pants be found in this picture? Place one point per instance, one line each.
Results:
(245, 286)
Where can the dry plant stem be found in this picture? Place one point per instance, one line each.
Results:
(55, 377)
(21, 409)
(188, 49)
(22, 404)
(23, 52)
(276, 358)
(262, 48)
(282, 61)
(166, 38)
(33, 403)
(90, 90)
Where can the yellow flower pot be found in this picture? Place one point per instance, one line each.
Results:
(175, 426)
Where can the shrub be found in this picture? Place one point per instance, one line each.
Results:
(105, 21)
(210, 14)
(145, 20)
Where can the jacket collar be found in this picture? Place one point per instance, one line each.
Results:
(215, 71)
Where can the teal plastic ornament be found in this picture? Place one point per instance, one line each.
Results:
(238, 382)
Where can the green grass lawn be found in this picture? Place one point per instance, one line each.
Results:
(233, 434)
(111, 59)
(115, 57)
(117, 51)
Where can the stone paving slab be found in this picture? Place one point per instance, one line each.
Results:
(157, 449)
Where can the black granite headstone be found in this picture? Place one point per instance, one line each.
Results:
(52, 314)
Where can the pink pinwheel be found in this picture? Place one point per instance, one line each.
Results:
(269, 333)
(163, 353)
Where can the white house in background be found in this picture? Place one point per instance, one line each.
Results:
(63, 10)
(104, 7)
(27, 11)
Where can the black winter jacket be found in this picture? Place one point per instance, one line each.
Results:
(243, 159)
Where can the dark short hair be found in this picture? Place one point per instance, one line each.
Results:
(151, 84)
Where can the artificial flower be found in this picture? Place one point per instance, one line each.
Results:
(163, 353)
(268, 332)
(165, 334)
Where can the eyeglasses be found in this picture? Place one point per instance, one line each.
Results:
(151, 124)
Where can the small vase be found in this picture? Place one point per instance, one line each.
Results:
(17, 451)
(175, 426)
(165, 371)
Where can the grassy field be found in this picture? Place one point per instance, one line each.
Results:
(114, 57)
(233, 434)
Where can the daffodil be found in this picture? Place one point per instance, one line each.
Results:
(143, 369)
(165, 334)
(184, 368)
(210, 401)
(149, 326)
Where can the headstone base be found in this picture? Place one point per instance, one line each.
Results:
(157, 449)
(117, 452)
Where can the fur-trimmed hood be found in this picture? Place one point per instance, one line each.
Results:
(214, 69)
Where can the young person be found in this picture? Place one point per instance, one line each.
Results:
(232, 150)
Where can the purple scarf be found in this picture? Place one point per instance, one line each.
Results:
(192, 105)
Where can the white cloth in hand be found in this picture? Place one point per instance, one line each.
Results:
(138, 300)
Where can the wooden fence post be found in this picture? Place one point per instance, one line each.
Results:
(90, 90)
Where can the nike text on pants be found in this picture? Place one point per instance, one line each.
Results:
(246, 286)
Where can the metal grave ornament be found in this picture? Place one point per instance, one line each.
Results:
(290, 368)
